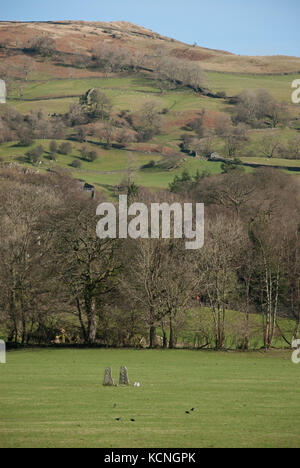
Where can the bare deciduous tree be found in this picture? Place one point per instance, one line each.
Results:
(216, 268)
(88, 264)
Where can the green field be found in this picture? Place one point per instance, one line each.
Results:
(55, 398)
(110, 168)
(278, 85)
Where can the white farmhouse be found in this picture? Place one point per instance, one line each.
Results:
(2, 92)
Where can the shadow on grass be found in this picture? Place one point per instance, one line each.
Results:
(49, 157)
(21, 159)
(19, 145)
(109, 188)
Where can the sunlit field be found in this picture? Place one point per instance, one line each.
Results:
(55, 398)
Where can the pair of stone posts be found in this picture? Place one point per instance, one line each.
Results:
(109, 381)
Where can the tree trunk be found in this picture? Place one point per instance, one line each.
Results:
(296, 330)
(13, 316)
(92, 330)
(172, 338)
(83, 329)
(152, 337)
(23, 315)
(92, 321)
(247, 337)
(165, 339)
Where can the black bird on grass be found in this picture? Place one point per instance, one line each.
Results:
(193, 409)
(118, 419)
(187, 412)
(132, 420)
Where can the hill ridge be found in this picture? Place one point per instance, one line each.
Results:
(78, 35)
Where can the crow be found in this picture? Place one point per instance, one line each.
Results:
(118, 419)
(132, 420)
(187, 412)
(193, 409)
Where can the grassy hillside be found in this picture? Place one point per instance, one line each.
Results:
(110, 168)
(132, 92)
(52, 87)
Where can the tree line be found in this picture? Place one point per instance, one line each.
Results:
(56, 274)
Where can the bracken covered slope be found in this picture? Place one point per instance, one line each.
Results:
(81, 37)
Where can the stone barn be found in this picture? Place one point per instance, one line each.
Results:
(89, 188)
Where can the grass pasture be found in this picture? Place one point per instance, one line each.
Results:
(232, 83)
(111, 166)
(55, 398)
(280, 86)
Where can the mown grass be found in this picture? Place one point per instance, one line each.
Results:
(55, 398)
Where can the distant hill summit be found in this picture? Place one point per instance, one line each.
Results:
(81, 37)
